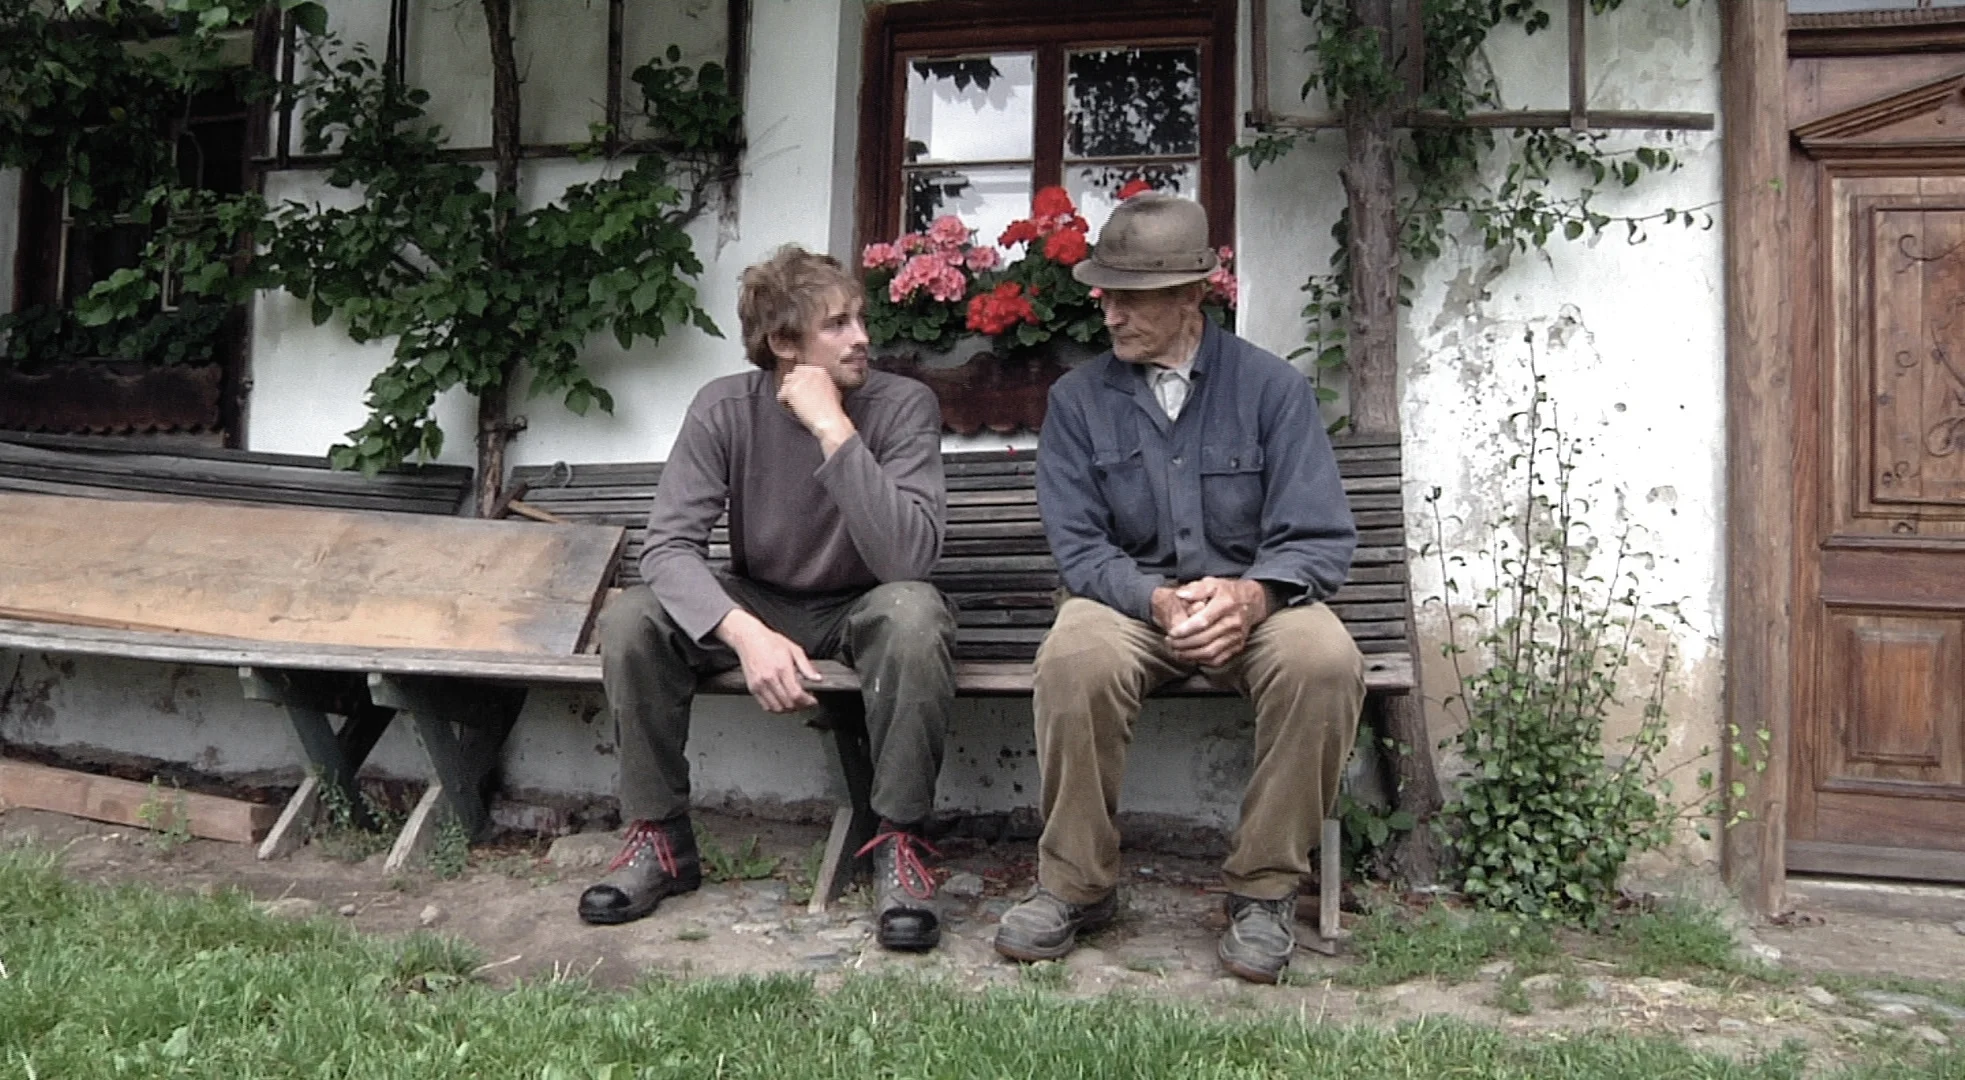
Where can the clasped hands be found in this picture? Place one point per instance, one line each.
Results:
(1208, 621)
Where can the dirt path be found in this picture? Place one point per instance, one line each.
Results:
(516, 905)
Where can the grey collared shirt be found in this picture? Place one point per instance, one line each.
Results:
(1242, 484)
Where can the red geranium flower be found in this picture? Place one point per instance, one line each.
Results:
(1001, 308)
(1019, 232)
(1052, 202)
(1067, 246)
(1135, 186)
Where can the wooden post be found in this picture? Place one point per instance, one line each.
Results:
(1372, 350)
(1759, 444)
(1369, 186)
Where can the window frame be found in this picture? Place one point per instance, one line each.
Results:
(896, 34)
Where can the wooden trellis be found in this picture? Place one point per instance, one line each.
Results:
(736, 53)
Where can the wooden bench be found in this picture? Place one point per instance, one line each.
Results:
(310, 680)
(997, 568)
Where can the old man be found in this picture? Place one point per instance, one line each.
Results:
(1193, 503)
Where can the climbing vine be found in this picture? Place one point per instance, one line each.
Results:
(475, 290)
(1549, 187)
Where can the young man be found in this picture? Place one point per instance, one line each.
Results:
(832, 478)
(1193, 503)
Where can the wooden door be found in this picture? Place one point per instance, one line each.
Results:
(1878, 751)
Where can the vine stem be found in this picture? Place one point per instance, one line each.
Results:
(494, 428)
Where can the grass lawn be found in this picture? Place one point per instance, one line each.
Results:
(130, 982)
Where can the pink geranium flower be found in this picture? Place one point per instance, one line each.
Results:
(948, 231)
(882, 256)
(982, 259)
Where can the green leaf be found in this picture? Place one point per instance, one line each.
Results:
(312, 18)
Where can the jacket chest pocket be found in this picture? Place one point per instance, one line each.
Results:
(1231, 495)
(1128, 492)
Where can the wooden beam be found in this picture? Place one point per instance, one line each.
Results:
(1600, 119)
(1579, 90)
(1760, 444)
(126, 802)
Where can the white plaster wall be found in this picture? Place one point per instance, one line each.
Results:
(1630, 341)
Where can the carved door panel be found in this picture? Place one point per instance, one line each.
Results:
(1878, 761)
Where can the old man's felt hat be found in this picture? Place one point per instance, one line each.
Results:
(1152, 241)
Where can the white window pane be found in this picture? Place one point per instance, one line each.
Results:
(986, 198)
(1132, 102)
(970, 109)
(1095, 188)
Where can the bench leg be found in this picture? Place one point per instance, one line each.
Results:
(853, 824)
(333, 757)
(462, 728)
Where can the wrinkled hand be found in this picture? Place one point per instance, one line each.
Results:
(1169, 608)
(811, 395)
(775, 669)
(1226, 610)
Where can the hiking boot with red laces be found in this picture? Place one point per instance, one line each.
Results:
(659, 859)
(903, 890)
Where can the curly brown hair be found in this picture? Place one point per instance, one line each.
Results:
(782, 295)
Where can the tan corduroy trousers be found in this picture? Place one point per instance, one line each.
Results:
(1306, 679)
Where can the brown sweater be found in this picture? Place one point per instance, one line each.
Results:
(872, 513)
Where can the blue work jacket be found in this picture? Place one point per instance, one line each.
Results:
(1243, 485)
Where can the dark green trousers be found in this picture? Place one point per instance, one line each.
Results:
(898, 637)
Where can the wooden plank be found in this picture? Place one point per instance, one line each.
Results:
(306, 576)
(419, 833)
(444, 474)
(123, 802)
(141, 492)
(1760, 435)
(1867, 860)
(291, 827)
(1387, 669)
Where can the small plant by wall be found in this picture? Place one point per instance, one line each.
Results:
(1550, 815)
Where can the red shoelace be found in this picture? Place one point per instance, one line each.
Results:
(912, 873)
(646, 834)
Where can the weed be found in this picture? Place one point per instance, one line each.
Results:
(1548, 818)
(1394, 946)
(1045, 975)
(747, 862)
(340, 835)
(1147, 965)
(167, 817)
(1512, 996)
(692, 933)
(798, 888)
(1570, 992)
(1676, 937)
(450, 850)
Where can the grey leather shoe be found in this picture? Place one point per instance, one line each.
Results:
(658, 859)
(1260, 937)
(905, 913)
(1046, 926)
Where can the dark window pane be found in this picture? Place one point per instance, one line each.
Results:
(970, 109)
(1131, 102)
(986, 198)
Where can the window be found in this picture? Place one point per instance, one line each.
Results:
(969, 108)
